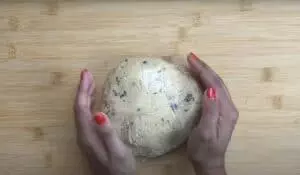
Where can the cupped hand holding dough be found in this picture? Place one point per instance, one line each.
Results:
(153, 104)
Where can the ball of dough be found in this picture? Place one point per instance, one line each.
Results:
(152, 104)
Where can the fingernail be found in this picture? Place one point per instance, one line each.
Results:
(211, 93)
(193, 56)
(100, 118)
(82, 73)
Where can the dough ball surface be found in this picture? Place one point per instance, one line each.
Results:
(152, 104)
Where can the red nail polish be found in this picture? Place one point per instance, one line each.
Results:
(211, 93)
(100, 118)
(82, 73)
(193, 56)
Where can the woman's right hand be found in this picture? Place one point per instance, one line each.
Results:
(208, 142)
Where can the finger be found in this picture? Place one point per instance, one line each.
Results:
(93, 101)
(84, 81)
(82, 103)
(111, 140)
(210, 113)
(92, 91)
(91, 83)
(83, 91)
(205, 75)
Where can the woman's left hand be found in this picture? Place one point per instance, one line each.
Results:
(106, 153)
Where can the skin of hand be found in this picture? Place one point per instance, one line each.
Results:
(106, 153)
(209, 140)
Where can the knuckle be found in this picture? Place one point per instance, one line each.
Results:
(218, 81)
(82, 105)
(235, 112)
(234, 115)
(82, 98)
(122, 157)
(81, 109)
(206, 136)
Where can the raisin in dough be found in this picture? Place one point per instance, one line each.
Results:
(152, 104)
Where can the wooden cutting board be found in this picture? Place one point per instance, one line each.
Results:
(253, 45)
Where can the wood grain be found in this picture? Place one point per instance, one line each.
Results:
(253, 45)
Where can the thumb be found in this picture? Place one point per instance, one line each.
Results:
(109, 136)
(210, 111)
(102, 124)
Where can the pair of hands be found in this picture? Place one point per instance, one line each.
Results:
(207, 143)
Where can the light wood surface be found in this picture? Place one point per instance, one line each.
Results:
(254, 46)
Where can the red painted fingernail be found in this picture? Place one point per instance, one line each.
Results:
(82, 73)
(100, 118)
(211, 93)
(193, 56)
